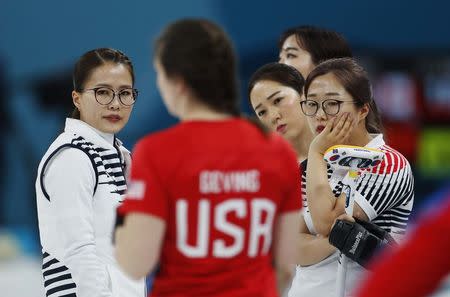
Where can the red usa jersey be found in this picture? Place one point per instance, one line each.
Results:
(220, 187)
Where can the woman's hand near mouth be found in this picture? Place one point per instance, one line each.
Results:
(336, 131)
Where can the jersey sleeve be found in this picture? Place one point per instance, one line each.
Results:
(385, 186)
(70, 181)
(293, 197)
(146, 193)
(418, 267)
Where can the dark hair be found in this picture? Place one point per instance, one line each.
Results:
(355, 81)
(200, 52)
(89, 61)
(322, 44)
(280, 73)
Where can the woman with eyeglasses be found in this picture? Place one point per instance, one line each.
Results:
(81, 180)
(213, 201)
(340, 109)
(275, 93)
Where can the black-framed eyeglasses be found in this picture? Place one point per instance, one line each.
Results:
(331, 107)
(105, 95)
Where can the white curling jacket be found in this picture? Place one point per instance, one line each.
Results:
(81, 180)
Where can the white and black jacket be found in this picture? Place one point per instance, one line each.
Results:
(81, 180)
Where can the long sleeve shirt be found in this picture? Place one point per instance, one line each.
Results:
(81, 181)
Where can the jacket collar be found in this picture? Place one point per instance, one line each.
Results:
(376, 142)
(91, 134)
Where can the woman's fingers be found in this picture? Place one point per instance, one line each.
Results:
(346, 129)
(345, 217)
(328, 127)
(339, 123)
(336, 131)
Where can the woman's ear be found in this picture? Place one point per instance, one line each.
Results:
(76, 99)
(363, 112)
